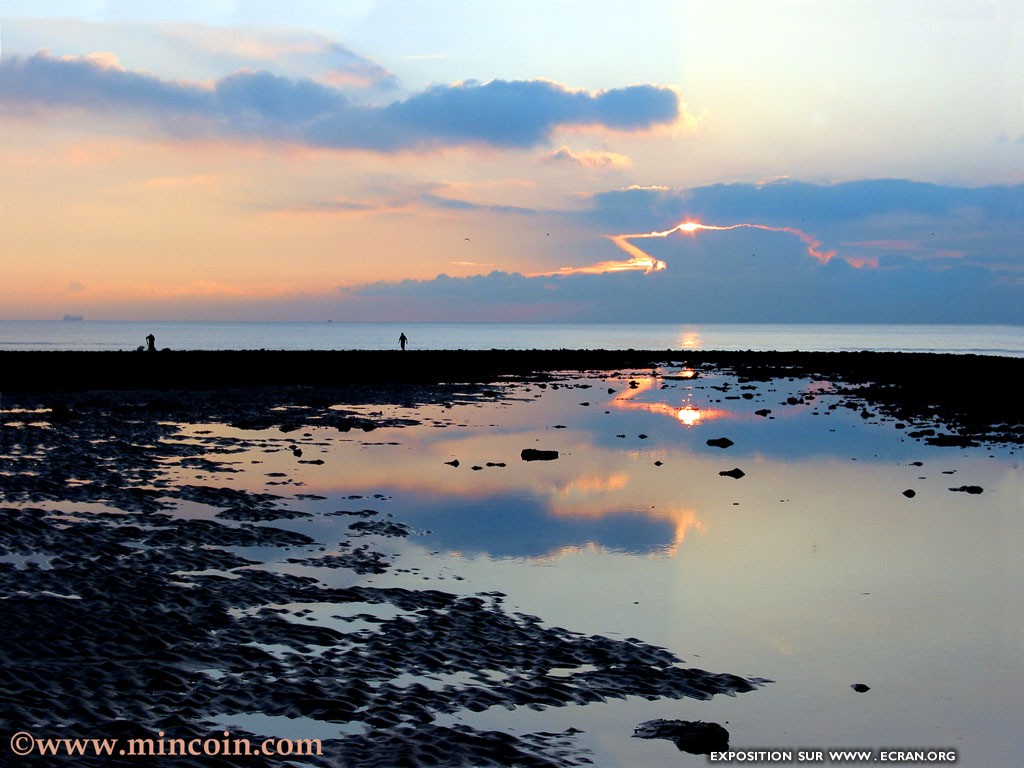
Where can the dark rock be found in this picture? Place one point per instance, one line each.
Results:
(536, 454)
(910, 493)
(973, 489)
(762, 412)
(720, 442)
(453, 463)
(695, 737)
(860, 687)
(736, 473)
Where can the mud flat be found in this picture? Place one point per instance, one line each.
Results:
(143, 593)
(974, 394)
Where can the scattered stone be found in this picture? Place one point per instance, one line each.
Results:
(720, 442)
(972, 489)
(536, 454)
(910, 493)
(380, 528)
(735, 472)
(695, 737)
(762, 411)
(453, 463)
(860, 687)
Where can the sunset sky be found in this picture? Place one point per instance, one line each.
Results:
(467, 160)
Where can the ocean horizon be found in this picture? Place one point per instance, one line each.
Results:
(126, 335)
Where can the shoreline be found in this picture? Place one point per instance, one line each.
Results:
(972, 394)
(203, 369)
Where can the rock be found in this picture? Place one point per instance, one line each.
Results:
(695, 737)
(910, 493)
(453, 463)
(974, 489)
(860, 687)
(762, 412)
(720, 442)
(536, 454)
(735, 472)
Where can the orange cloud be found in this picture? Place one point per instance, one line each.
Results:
(596, 159)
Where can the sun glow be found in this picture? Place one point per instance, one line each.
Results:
(690, 416)
(640, 260)
(687, 414)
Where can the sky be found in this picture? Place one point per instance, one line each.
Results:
(554, 160)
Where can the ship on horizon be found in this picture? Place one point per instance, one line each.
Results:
(73, 318)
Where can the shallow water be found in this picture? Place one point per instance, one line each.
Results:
(814, 569)
(1007, 340)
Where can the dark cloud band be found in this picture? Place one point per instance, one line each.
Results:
(263, 106)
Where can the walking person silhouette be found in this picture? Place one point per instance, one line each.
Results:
(402, 341)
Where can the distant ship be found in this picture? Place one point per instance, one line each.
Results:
(73, 318)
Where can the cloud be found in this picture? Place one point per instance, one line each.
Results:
(589, 159)
(203, 52)
(263, 106)
(904, 268)
(297, 53)
(859, 220)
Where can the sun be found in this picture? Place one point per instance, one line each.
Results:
(689, 226)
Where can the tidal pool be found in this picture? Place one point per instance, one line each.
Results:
(845, 551)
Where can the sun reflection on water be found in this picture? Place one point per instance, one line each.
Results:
(687, 414)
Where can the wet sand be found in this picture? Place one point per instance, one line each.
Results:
(973, 394)
(127, 613)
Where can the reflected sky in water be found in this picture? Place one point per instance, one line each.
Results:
(813, 569)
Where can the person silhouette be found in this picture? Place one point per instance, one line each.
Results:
(151, 343)
(402, 341)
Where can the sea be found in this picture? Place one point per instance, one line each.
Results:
(111, 335)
